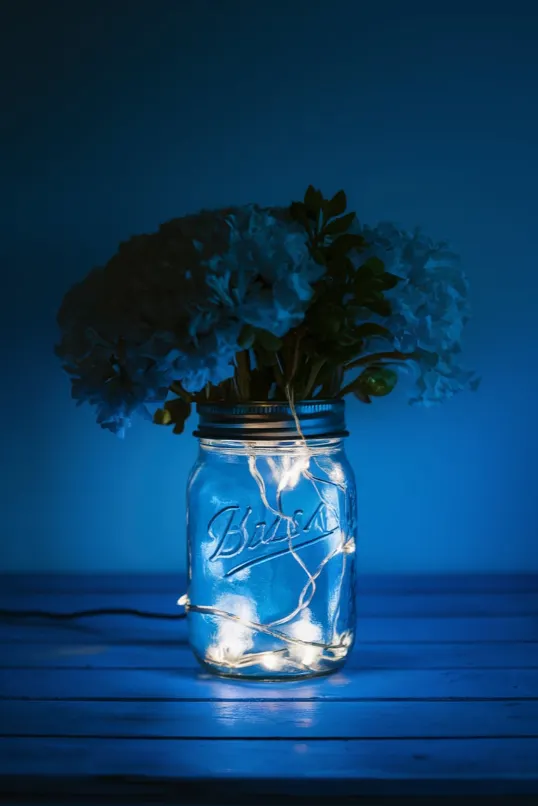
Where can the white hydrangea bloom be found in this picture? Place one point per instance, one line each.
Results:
(170, 306)
(429, 306)
(266, 274)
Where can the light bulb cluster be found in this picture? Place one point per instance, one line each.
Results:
(301, 651)
(299, 639)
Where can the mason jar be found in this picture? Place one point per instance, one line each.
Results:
(271, 529)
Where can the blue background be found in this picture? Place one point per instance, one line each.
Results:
(117, 116)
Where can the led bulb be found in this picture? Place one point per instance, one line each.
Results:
(235, 636)
(291, 471)
(305, 630)
(272, 661)
(336, 473)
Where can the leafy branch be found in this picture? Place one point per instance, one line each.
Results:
(310, 361)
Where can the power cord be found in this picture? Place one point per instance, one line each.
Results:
(78, 614)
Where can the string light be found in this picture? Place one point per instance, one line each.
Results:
(302, 650)
(300, 646)
(309, 632)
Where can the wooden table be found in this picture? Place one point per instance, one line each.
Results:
(440, 697)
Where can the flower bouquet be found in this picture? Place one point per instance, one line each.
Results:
(249, 303)
(266, 318)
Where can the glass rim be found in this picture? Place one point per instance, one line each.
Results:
(310, 445)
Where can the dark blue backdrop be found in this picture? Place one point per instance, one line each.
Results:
(119, 115)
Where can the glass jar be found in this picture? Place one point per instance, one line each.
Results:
(271, 526)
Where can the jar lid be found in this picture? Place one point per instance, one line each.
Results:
(271, 420)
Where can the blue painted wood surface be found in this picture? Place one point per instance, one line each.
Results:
(440, 697)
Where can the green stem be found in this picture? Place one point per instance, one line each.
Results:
(279, 373)
(314, 372)
(375, 357)
(347, 389)
(336, 380)
(243, 374)
(295, 362)
(178, 390)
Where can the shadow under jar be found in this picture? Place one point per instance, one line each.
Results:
(271, 528)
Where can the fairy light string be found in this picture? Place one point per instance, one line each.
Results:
(303, 650)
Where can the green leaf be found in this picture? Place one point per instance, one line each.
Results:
(247, 337)
(348, 339)
(175, 412)
(326, 319)
(162, 417)
(265, 358)
(335, 206)
(299, 213)
(368, 290)
(374, 264)
(377, 381)
(332, 325)
(371, 329)
(389, 280)
(318, 256)
(344, 353)
(339, 225)
(361, 395)
(340, 267)
(367, 296)
(364, 279)
(358, 311)
(313, 201)
(179, 410)
(268, 340)
(380, 306)
(309, 346)
(261, 380)
(344, 244)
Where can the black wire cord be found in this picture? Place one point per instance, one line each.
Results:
(78, 614)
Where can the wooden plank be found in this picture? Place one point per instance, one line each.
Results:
(269, 720)
(354, 767)
(372, 604)
(183, 684)
(132, 630)
(210, 794)
(176, 655)
(174, 583)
